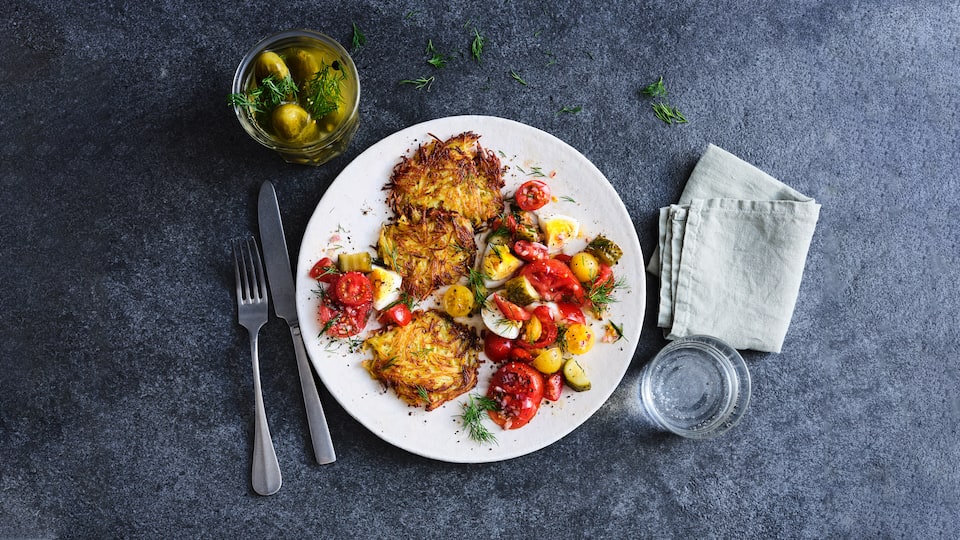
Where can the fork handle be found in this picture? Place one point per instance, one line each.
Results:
(317, 421)
(265, 471)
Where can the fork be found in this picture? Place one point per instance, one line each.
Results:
(252, 303)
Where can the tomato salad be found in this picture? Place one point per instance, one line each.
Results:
(535, 301)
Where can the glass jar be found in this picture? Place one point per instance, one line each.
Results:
(313, 123)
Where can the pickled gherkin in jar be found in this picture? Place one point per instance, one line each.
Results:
(299, 94)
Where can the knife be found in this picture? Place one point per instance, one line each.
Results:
(280, 278)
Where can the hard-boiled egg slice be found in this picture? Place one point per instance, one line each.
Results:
(386, 286)
(498, 265)
(558, 230)
(496, 322)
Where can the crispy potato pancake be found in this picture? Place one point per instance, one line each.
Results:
(429, 251)
(430, 361)
(457, 175)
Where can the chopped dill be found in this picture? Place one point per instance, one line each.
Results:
(568, 199)
(476, 47)
(358, 40)
(571, 110)
(516, 76)
(436, 60)
(537, 172)
(656, 89)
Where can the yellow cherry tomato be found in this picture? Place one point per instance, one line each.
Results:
(579, 338)
(532, 330)
(549, 361)
(458, 301)
(584, 266)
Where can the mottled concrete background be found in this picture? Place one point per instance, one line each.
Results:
(125, 401)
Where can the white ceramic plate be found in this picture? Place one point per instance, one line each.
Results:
(348, 218)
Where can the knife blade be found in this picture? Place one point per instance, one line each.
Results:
(280, 278)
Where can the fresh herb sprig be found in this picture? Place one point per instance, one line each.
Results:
(272, 91)
(323, 91)
(436, 60)
(600, 294)
(421, 82)
(661, 108)
(358, 40)
(476, 46)
(474, 411)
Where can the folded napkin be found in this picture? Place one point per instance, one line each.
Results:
(731, 254)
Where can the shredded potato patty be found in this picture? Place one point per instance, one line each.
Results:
(430, 361)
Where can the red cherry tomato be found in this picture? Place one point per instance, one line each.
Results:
(325, 271)
(533, 195)
(554, 281)
(548, 329)
(497, 348)
(342, 321)
(553, 386)
(353, 289)
(518, 390)
(511, 310)
(398, 314)
(604, 276)
(518, 354)
(530, 251)
(571, 313)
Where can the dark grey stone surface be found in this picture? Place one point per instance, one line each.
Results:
(125, 390)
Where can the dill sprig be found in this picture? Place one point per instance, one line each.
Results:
(617, 330)
(668, 114)
(476, 47)
(323, 91)
(661, 108)
(271, 91)
(475, 280)
(474, 411)
(516, 76)
(436, 60)
(358, 40)
(656, 89)
(600, 295)
(420, 83)
(570, 110)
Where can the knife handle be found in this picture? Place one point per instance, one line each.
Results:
(319, 432)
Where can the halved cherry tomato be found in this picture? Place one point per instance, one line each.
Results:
(548, 329)
(553, 386)
(554, 281)
(398, 314)
(533, 195)
(497, 348)
(570, 313)
(520, 355)
(325, 271)
(353, 289)
(518, 390)
(343, 321)
(530, 251)
(511, 310)
(604, 276)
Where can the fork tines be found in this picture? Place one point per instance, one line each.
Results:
(248, 269)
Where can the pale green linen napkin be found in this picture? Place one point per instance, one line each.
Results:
(731, 254)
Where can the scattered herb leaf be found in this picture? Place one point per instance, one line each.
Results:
(656, 89)
(358, 40)
(663, 110)
(476, 47)
(516, 76)
(436, 60)
(420, 83)
(571, 110)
